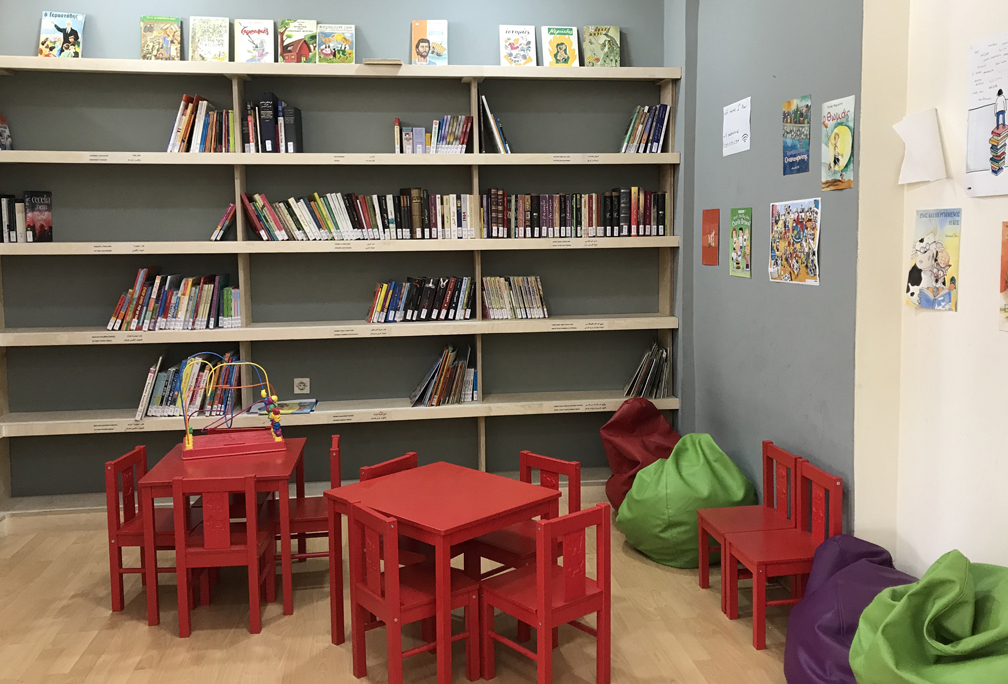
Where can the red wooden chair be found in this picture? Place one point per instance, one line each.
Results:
(217, 542)
(398, 596)
(395, 465)
(778, 553)
(549, 595)
(778, 511)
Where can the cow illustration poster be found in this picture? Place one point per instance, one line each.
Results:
(933, 264)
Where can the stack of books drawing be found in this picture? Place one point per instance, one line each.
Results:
(997, 142)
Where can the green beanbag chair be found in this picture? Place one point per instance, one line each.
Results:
(951, 627)
(659, 514)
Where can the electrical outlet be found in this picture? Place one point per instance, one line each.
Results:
(302, 386)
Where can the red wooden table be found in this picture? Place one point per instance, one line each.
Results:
(272, 473)
(444, 505)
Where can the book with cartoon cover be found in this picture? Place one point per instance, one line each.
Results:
(429, 43)
(297, 40)
(161, 38)
(601, 46)
(335, 44)
(560, 46)
(209, 39)
(517, 45)
(253, 40)
(62, 34)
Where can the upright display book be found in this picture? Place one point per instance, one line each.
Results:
(335, 44)
(601, 46)
(297, 40)
(38, 216)
(838, 144)
(711, 228)
(209, 39)
(253, 40)
(741, 243)
(560, 46)
(933, 274)
(161, 38)
(61, 35)
(796, 115)
(429, 43)
(517, 45)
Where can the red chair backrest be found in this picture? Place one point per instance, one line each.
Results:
(820, 502)
(550, 470)
(570, 530)
(374, 537)
(217, 532)
(780, 480)
(395, 465)
(335, 478)
(123, 475)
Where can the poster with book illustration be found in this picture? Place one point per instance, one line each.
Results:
(711, 227)
(838, 144)
(797, 117)
(253, 40)
(429, 42)
(61, 35)
(560, 46)
(209, 39)
(335, 44)
(38, 216)
(1003, 276)
(601, 46)
(161, 38)
(933, 264)
(794, 241)
(517, 45)
(986, 129)
(741, 243)
(297, 40)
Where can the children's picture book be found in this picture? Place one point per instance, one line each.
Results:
(838, 144)
(933, 275)
(797, 115)
(253, 40)
(161, 38)
(38, 215)
(517, 45)
(287, 407)
(209, 39)
(1003, 276)
(429, 43)
(335, 44)
(794, 241)
(741, 243)
(711, 228)
(297, 40)
(6, 143)
(62, 34)
(601, 46)
(560, 46)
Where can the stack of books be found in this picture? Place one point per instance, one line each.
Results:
(423, 299)
(651, 379)
(997, 142)
(449, 135)
(511, 297)
(157, 302)
(28, 219)
(199, 127)
(272, 125)
(451, 380)
(196, 386)
(646, 131)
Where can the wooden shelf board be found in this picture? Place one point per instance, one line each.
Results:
(324, 330)
(326, 413)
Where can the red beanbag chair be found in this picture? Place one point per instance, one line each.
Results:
(635, 437)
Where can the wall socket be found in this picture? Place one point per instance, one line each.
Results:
(302, 386)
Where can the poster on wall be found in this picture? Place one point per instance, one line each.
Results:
(1004, 276)
(986, 132)
(710, 229)
(932, 278)
(741, 243)
(794, 241)
(735, 128)
(838, 144)
(797, 117)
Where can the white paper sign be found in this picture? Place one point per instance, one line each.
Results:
(735, 132)
(923, 159)
(986, 132)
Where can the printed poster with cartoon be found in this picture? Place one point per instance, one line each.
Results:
(838, 144)
(933, 268)
(1003, 273)
(794, 241)
(741, 243)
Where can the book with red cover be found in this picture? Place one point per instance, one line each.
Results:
(709, 238)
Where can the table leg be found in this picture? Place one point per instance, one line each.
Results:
(336, 574)
(150, 557)
(442, 563)
(285, 549)
(299, 488)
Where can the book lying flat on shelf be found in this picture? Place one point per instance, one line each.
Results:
(335, 44)
(297, 40)
(651, 379)
(423, 299)
(560, 46)
(517, 45)
(253, 40)
(209, 39)
(429, 45)
(601, 46)
(62, 34)
(161, 38)
(451, 380)
(287, 408)
(38, 216)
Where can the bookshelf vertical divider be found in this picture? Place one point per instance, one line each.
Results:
(666, 258)
(244, 259)
(477, 271)
(5, 465)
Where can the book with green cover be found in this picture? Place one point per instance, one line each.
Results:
(161, 38)
(335, 44)
(601, 46)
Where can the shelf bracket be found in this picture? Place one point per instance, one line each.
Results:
(238, 77)
(472, 79)
(4, 72)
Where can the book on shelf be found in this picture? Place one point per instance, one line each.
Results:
(621, 212)
(651, 379)
(6, 142)
(450, 380)
(222, 226)
(38, 216)
(287, 407)
(448, 135)
(209, 39)
(171, 302)
(517, 45)
(513, 297)
(271, 125)
(13, 219)
(560, 46)
(62, 35)
(423, 299)
(491, 134)
(601, 46)
(205, 388)
(160, 38)
(200, 127)
(429, 43)
(253, 40)
(335, 44)
(297, 40)
(646, 131)
(148, 389)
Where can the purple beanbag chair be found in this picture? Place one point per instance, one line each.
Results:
(847, 574)
(635, 437)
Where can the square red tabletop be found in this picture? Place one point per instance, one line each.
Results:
(265, 466)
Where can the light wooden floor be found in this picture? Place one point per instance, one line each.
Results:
(56, 626)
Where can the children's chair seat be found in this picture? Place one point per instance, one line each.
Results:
(517, 541)
(517, 591)
(164, 529)
(746, 518)
(417, 589)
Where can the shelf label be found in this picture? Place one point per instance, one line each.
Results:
(379, 416)
(104, 427)
(562, 244)
(138, 248)
(342, 246)
(561, 159)
(381, 331)
(370, 159)
(132, 338)
(99, 338)
(593, 159)
(562, 326)
(581, 407)
(135, 426)
(371, 246)
(343, 418)
(134, 158)
(346, 332)
(338, 158)
(595, 325)
(102, 249)
(591, 242)
(98, 158)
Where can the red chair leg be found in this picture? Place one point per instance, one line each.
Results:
(731, 586)
(703, 544)
(115, 575)
(759, 610)
(336, 578)
(255, 602)
(393, 642)
(486, 642)
(204, 591)
(472, 637)
(603, 647)
(524, 632)
(428, 630)
(357, 615)
(556, 637)
(143, 566)
(271, 574)
(544, 656)
(184, 624)
(302, 547)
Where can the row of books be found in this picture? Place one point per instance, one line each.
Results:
(200, 128)
(28, 219)
(448, 135)
(171, 302)
(423, 299)
(451, 380)
(511, 297)
(622, 212)
(651, 379)
(646, 131)
(268, 125)
(200, 388)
